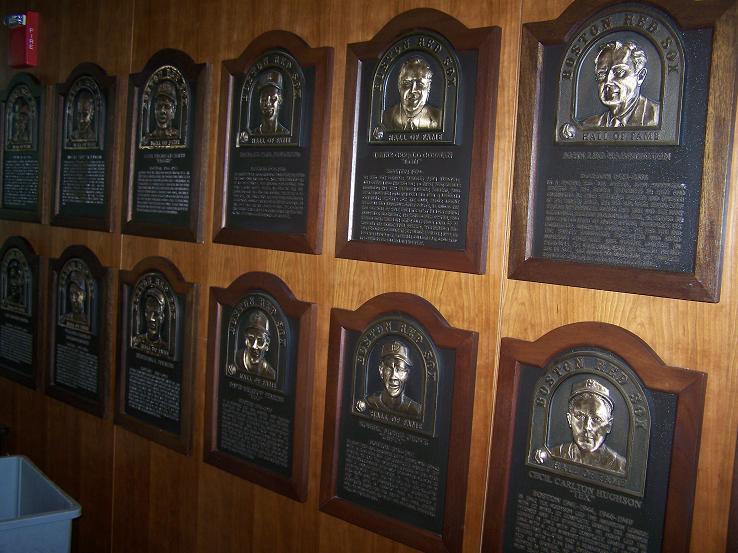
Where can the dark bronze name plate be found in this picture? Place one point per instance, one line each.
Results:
(85, 121)
(260, 383)
(417, 155)
(22, 112)
(19, 355)
(595, 445)
(624, 136)
(79, 330)
(273, 149)
(400, 392)
(166, 144)
(156, 352)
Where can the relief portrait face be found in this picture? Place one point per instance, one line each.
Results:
(15, 282)
(590, 420)
(164, 108)
(77, 299)
(414, 83)
(21, 121)
(154, 315)
(394, 373)
(270, 100)
(85, 113)
(256, 343)
(618, 77)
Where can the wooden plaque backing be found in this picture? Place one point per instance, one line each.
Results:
(321, 59)
(200, 73)
(295, 486)
(486, 41)
(688, 387)
(704, 283)
(732, 543)
(108, 86)
(38, 90)
(464, 343)
(34, 264)
(181, 442)
(105, 278)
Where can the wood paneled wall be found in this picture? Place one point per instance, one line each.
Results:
(139, 496)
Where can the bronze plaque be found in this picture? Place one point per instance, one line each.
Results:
(166, 144)
(616, 167)
(260, 380)
(19, 311)
(155, 367)
(417, 159)
(78, 330)
(275, 122)
(594, 448)
(22, 146)
(84, 153)
(401, 382)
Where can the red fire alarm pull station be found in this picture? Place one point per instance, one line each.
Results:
(23, 47)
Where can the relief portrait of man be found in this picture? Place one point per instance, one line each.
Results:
(256, 339)
(21, 126)
(154, 315)
(620, 70)
(165, 108)
(16, 289)
(394, 370)
(84, 120)
(413, 111)
(590, 420)
(77, 294)
(271, 96)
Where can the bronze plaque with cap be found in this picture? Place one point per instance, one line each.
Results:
(155, 372)
(166, 145)
(621, 161)
(85, 121)
(260, 383)
(19, 314)
(273, 144)
(417, 155)
(22, 106)
(79, 330)
(596, 447)
(400, 384)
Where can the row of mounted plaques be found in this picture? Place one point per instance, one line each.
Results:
(595, 439)
(621, 163)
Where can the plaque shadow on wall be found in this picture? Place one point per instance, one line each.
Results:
(166, 146)
(397, 426)
(19, 311)
(79, 329)
(273, 146)
(22, 131)
(156, 349)
(620, 179)
(418, 133)
(259, 383)
(592, 426)
(82, 195)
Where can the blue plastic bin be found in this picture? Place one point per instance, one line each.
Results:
(35, 515)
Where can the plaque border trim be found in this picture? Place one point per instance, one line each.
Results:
(689, 386)
(464, 343)
(36, 267)
(40, 91)
(311, 241)
(486, 40)
(295, 486)
(704, 283)
(109, 86)
(181, 442)
(199, 72)
(105, 278)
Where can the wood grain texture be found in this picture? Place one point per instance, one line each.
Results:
(139, 496)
